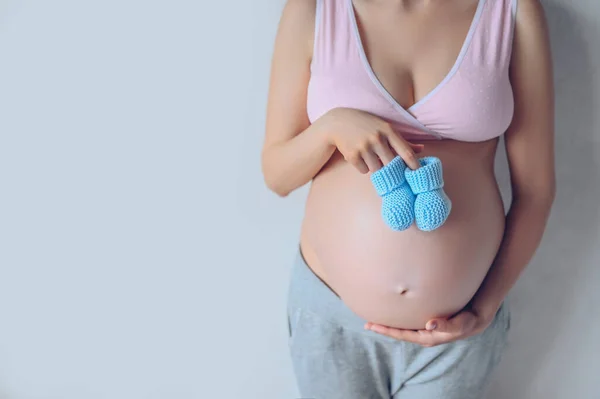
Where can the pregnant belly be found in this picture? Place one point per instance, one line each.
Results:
(403, 279)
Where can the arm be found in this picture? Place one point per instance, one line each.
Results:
(530, 150)
(294, 151)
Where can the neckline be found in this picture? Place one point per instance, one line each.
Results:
(407, 112)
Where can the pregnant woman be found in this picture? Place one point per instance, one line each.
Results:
(376, 312)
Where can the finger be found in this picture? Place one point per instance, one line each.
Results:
(372, 160)
(420, 337)
(439, 325)
(404, 150)
(459, 324)
(358, 163)
(433, 324)
(417, 337)
(383, 151)
(417, 148)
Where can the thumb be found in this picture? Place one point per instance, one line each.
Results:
(436, 325)
(456, 324)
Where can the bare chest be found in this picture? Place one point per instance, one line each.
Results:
(411, 51)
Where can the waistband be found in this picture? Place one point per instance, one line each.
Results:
(309, 293)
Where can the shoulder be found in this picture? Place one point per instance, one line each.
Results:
(298, 20)
(531, 36)
(530, 16)
(306, 7)
(299, 14)
(531, 70)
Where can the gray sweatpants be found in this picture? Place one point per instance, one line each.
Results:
(334, 357)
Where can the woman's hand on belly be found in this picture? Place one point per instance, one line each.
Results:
(465, 324)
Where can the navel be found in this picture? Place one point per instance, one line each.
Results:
(402, 290)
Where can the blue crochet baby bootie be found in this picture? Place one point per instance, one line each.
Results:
(432, 206)
(398, 199)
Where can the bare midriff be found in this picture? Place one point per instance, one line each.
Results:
(403, 279)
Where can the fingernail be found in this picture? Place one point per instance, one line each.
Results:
(433, 325)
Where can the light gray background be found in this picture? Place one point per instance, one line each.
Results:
(141, 255)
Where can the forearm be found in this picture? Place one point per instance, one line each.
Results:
(293, 163)
(525, 225)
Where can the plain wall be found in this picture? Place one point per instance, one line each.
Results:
(141, 255)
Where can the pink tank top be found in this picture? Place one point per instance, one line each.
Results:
(474, 102)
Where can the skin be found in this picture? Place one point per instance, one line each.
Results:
(530, 151)
(296, 151)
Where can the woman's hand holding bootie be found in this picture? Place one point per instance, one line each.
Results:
(412, 195)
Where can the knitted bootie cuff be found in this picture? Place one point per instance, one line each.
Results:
(390, 177)
(428, 177)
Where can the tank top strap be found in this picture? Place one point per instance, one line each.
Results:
(492, 42)
(333, 34)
